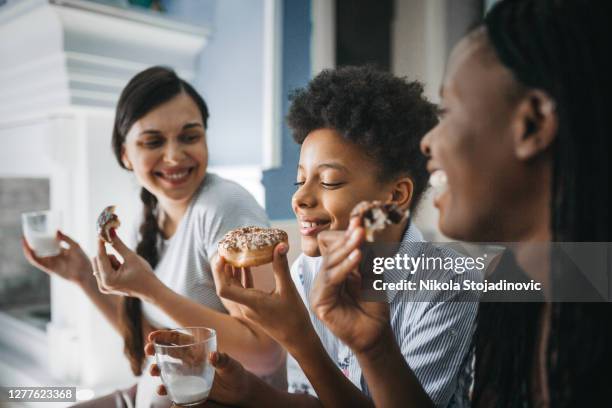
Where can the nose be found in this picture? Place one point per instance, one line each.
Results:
(304, 197)
(174, 153)
(426, 144)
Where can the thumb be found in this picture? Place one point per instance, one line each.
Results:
(119, 245)
(280, 266)
(223, 363)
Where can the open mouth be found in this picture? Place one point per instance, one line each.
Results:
(175, 177)
(313, 227)
(439, 184)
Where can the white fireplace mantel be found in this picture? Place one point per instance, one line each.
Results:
(72, 52)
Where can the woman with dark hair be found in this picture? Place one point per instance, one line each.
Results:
(160, 135)
(523, 143)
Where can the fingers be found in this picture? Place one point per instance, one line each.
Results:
(119, 245)
(149, 349)
(340, 272)
(237, 293)
(104, 264)
(247, 278)
(223, 362)
(154, 370)
(114, 261)
(161, 390)
(341, 251)
(28, 252)
(65, 238)
(169, 337)
(280, 266)
(96, 273)
(328, 239)
(230, 284)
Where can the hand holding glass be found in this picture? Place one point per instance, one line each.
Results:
(182, 357)
(40, 230)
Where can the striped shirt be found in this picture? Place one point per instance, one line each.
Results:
(433, 328)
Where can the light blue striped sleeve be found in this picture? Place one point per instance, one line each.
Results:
(439, 338)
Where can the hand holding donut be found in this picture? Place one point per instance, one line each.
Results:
(281, 313)
(133, 277)
(335, 297)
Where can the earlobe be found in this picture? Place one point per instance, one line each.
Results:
(124, 159)
(537, 125)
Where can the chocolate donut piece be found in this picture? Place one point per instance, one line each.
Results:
(250, 246)
(376, 215)
(106, 221)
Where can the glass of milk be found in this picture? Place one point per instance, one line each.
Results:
(182, 357)
(40, 230)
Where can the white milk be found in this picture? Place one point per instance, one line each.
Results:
(188, 389)
(43, 244)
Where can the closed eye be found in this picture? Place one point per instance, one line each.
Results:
(153, 144)
(191, 138)
(332, 185)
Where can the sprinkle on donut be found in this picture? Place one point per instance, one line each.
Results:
(252, 238)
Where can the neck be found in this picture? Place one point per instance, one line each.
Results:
(172, 213)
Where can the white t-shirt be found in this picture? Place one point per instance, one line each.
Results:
(219, 206)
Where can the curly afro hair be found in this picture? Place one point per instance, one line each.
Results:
(384, 114)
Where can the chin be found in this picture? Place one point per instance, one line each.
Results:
(310, 248)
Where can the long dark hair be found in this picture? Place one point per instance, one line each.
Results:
(145, 91)
(560, 47)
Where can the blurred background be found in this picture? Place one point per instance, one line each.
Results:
(62, 66)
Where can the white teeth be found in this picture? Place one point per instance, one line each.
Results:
(438, 180)
(176, 176)
(308, 224)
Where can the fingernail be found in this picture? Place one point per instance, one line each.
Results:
(354, 254)
(282, 249)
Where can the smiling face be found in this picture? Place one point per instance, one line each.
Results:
(491, 187)
(333, 176)
(166, 149)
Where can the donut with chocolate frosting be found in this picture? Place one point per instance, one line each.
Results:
(376, 215)
(106, 221)
(250, 246)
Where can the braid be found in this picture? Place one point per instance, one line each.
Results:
(131, 307)
(561, 48)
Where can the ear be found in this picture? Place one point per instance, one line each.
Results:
(401, 192)
(125, 160)
(537, 125)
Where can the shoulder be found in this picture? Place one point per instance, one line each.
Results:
(225, 196)
(217, 189)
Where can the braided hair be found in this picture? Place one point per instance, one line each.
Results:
(560, 47)
(145, 91)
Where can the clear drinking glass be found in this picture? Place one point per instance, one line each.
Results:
(182, 356)
(40, 230)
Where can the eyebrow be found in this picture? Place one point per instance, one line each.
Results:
(336, 166)
(186, 126)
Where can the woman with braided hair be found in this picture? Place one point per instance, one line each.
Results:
(160, 135)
